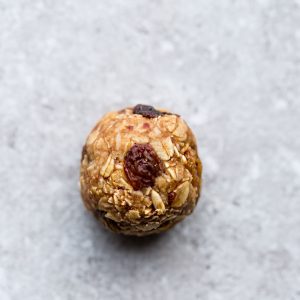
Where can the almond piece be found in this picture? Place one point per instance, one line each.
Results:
(157, 202)
(160, 150)
(182, 193)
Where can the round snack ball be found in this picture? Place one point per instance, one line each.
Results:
(140, 171)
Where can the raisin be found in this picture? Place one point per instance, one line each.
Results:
(142, 166)
(146, 126)
(146, 111)
(171, 197)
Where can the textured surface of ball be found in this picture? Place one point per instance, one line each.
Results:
(140, 171)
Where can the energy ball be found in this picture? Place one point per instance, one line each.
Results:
(140, 172)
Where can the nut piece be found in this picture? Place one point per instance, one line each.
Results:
(140, 172)
(164, 148)
(157, 202)
(182, 193)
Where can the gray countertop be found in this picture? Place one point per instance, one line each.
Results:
(230, 68)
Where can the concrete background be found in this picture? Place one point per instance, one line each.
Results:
(230, 68)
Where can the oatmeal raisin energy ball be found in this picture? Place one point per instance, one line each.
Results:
(140, 171)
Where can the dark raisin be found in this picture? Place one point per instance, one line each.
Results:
(146, 111)
(142, 166)
(171, 197)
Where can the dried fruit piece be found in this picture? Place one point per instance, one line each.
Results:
(142, 166)
(171, 197)
(146, 111)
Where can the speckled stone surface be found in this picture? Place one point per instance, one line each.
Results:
(230, 68)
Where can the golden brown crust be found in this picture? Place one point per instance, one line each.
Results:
(106, 190)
